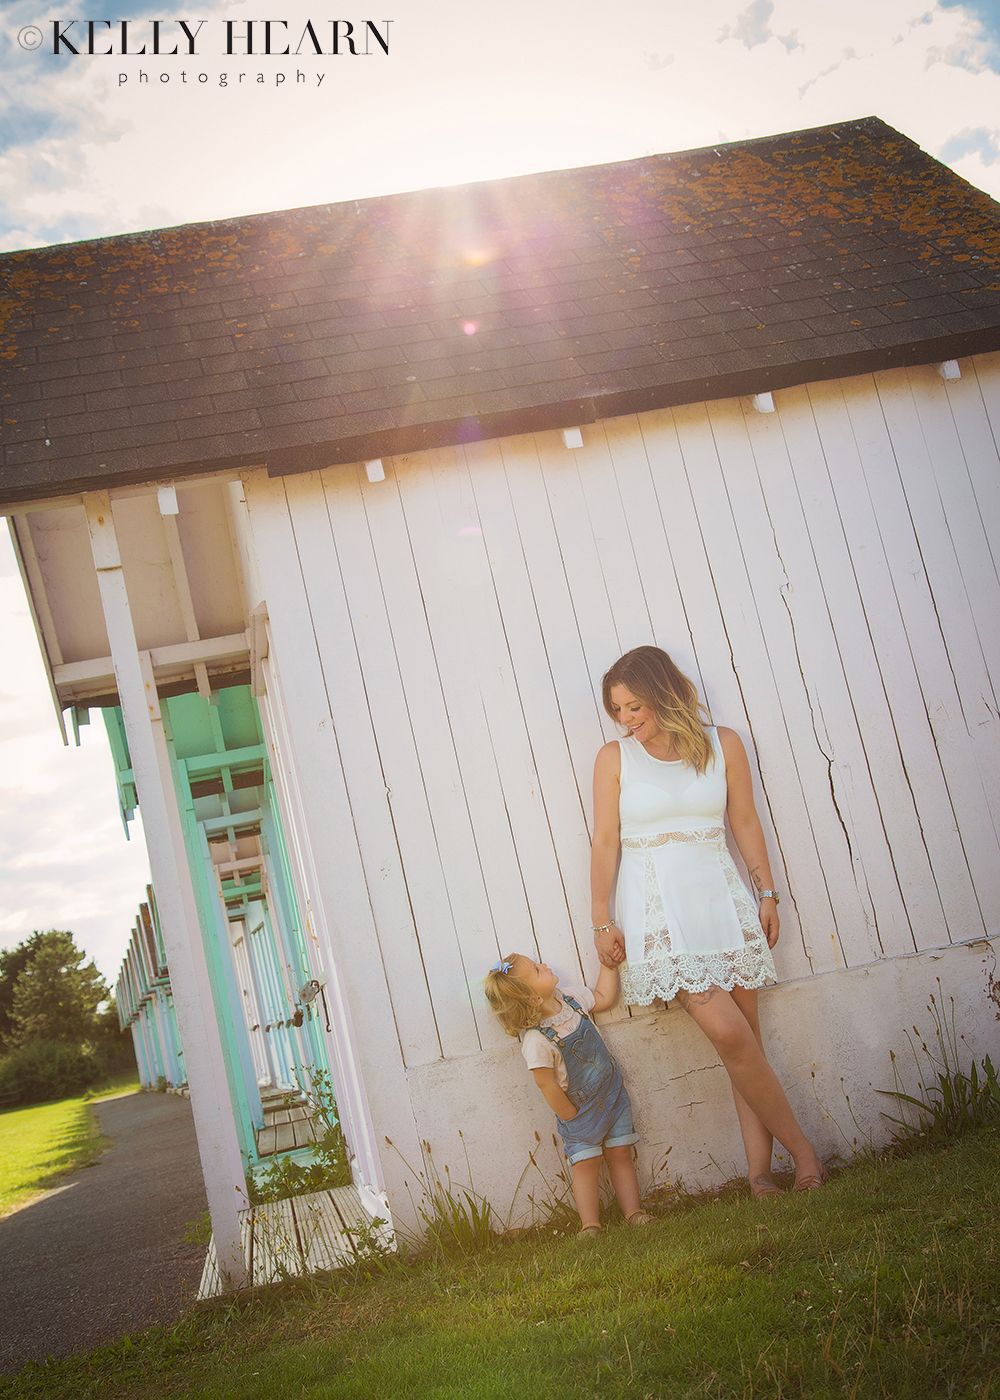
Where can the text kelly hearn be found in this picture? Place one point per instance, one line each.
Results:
(134, 38)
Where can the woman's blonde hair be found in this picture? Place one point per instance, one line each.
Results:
(653, 678)
(512, 1000)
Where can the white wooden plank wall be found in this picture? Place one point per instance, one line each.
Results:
(327, 580)
(300, 837)
(962, 816)
(318, 825)
(826, 573)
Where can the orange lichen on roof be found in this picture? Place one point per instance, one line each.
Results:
(277, 330)
(918, 198)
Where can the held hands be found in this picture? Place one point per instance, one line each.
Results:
(610, 945)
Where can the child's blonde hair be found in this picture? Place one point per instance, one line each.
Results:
(512, 1000)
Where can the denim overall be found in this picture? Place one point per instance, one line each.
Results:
(604, 1116)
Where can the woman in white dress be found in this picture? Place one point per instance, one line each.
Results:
(684, 921)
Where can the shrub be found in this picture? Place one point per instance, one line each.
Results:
(948, 1101)
(330, 1167)
(45, 1070)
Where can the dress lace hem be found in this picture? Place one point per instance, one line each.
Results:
(665, 974)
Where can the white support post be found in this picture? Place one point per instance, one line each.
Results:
(218, 1145)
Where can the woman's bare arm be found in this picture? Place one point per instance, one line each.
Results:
(746, 828)
(604, 853)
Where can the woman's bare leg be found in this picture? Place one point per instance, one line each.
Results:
(755, 1085)
(757, 1141)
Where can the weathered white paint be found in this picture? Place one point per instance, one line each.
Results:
(441, 635)
(428, 649)
(182, 573)
(828, 1036)
(296, 710)
(210, 1101)
(347, 1065)
(62, 547)
(170, 659)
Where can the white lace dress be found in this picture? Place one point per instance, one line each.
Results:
(689, 921)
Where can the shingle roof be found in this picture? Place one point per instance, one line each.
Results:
(354, 330)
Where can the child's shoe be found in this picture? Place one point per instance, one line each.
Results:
(639, 1217)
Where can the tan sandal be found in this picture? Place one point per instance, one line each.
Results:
(811, 1183)
(589, 1232)
(639, 1217)
(762, 1187)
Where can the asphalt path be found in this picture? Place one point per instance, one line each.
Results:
(102, 1254)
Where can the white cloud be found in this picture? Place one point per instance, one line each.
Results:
(467, 92)
(845, 57)
(751, 26)
(977, 46)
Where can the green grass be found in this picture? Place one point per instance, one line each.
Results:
(881, 1285)
(127, 1082)
(41, 1143)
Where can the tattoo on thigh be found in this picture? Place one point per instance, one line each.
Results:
(688, 999)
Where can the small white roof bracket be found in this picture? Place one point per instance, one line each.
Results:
(166, 497)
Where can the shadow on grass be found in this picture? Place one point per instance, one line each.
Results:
(879, 1285)
(39, 1157)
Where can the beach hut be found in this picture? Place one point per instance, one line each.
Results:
(339, 514)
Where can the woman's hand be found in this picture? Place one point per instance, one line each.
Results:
(610, 946)
(768, 913)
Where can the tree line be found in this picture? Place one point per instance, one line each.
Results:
(59, 1029)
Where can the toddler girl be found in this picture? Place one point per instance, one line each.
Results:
(576, 1074)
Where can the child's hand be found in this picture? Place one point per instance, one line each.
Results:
(606, 988)
(557, 1099)
(610, 946)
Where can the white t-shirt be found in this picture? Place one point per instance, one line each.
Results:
(539, 1051)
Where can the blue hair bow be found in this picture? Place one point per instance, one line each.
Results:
(502, 966)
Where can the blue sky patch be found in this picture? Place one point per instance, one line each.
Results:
(980, 140)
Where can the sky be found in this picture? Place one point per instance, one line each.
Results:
(112, 142)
